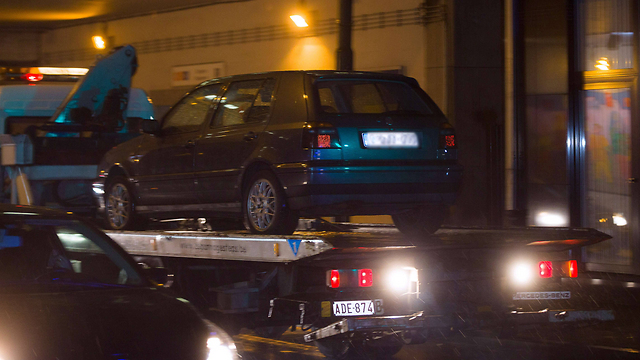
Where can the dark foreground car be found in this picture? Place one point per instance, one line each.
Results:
(272, 147)
(67, 291)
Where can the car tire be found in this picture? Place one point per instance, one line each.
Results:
(423, 221)
(119, 205)
(265, 206)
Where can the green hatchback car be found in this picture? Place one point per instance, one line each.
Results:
(272, 147)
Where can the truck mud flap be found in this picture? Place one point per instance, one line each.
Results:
(560, 316)
(414, 321)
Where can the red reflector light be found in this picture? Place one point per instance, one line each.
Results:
(450, 141)
(32, 77)
(334, 279)
(324, 141)
(545, 269)
(365, 277)
(573, 268)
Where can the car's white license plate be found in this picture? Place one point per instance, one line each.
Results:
(542, 295)
(355, 308)
(386, 139)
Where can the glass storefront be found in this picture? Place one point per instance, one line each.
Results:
(608, 166)
(546, 89)
(606, 53)
(579, 134)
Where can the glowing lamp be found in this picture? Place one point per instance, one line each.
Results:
(299, 20)
(99, 42)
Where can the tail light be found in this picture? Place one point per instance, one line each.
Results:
(333, 279)
(349, 278)
(32, 77)
(320, 136)
(365, 277)
(545, 269)
(570, 268)
(447, 139)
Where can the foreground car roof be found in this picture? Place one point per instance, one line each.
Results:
(25, 210)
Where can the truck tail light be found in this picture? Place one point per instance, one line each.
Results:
(447, 139)
(570, 268)
(333, 279)
(573, 268)
(320, 136)
(545, 269)
(365, 277)
(349, 278)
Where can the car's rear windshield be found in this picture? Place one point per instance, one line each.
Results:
(369, 96)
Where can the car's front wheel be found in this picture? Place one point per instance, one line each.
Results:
(422, 221)
(265, 206)
(119, 203)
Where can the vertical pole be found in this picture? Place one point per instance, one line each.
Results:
(519, 123)
(344, 53)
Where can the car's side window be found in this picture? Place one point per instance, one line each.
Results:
(327, 101)
(245, 102)
(192, 111)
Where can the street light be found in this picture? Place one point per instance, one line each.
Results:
(299, 20)
(99, 42)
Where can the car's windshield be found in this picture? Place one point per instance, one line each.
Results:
(39, 251)
(357, 96)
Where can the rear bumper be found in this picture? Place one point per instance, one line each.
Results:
(416, 321)
(369, 190)
(560, 316)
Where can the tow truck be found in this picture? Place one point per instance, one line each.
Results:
(358, 290)
(57, 122)
(370, 290)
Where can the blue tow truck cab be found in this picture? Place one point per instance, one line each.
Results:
(54, 132)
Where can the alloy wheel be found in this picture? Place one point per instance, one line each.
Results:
(118, 206)
(261, 204)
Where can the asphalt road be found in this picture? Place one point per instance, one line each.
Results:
(578, 344)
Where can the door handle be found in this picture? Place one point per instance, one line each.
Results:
(250, 136)
(632, 180)
(190, 144)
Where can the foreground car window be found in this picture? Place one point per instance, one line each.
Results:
(60, 251)
(369, 97)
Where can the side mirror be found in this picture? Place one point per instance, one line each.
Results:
(158, 275)
(150, 126)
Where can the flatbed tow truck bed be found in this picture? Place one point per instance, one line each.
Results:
(459, 278)
(243, 246)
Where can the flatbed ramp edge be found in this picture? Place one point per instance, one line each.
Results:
(287, 248)
(219, 246)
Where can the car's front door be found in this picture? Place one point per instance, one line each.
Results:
(231, 138)
(167, 159)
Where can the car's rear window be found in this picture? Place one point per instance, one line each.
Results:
(369, 97)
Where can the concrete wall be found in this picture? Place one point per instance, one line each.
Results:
(263, 38)
(19, 48)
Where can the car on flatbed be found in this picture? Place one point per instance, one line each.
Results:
(67, 291)
(272, 147)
